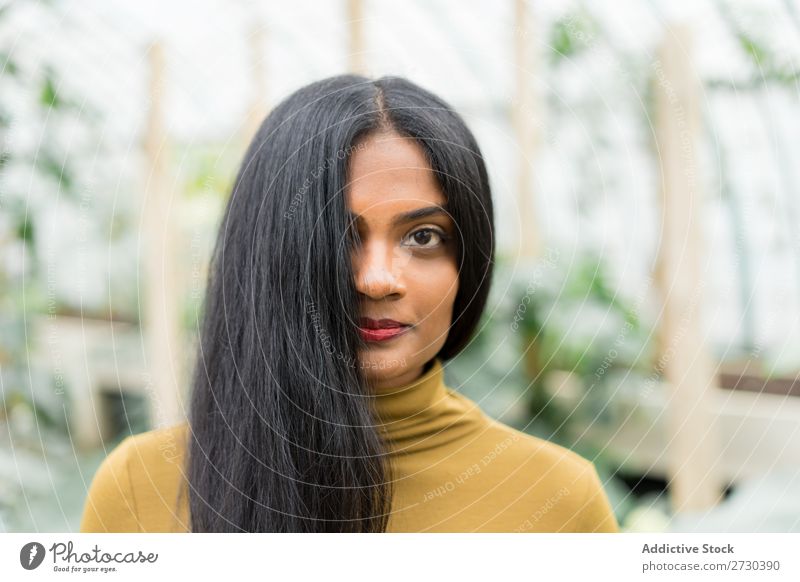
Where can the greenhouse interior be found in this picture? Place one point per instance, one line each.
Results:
(645, 307)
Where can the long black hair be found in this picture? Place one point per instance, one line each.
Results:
(282, 438)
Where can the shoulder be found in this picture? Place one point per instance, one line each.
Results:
(561, 489)
(556, 459)
(515, 446)
(137, 486)
(157, 447)
(575, 486)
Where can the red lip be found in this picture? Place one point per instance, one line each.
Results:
(379, 330)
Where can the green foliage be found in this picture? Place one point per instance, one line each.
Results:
(32, 410)
(49, 96)
(753, 48)
(575, 321)
(571, 35)
(26, 230)
(767, 65)
(9, 65)
(208, 172)
(553, 318)
(548, 318)
(58, 171)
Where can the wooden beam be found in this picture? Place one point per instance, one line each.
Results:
(693, 447)
(160, 317)
(524, 118)
(355, 36)
(257, 110)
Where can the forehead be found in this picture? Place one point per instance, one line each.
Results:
(388, 170)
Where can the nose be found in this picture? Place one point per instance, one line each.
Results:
(378, 271)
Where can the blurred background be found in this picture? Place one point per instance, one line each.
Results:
(644, 160)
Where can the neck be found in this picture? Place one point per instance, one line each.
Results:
(423, 414)
(413, 398)
(405, 377)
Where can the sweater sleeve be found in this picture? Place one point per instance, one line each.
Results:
(110, 505)
(597, 515)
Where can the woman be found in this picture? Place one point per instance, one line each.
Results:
(353, 261)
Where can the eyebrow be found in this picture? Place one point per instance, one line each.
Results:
(409, 216)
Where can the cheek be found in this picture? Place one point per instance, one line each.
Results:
(436, 294)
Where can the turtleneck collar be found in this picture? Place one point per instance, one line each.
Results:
(413, 400)
(425, 414)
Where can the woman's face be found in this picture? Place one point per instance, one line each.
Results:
(405, 262)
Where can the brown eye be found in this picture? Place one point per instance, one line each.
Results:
(425, 238)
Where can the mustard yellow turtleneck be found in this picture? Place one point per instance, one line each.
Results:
(454, 470)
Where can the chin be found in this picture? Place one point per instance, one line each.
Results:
(383, 364)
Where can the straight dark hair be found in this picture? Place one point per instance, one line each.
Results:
(282, 436)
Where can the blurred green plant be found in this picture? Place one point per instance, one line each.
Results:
(559, 318)
(555, 318)
(571, 35)
(34, 438)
